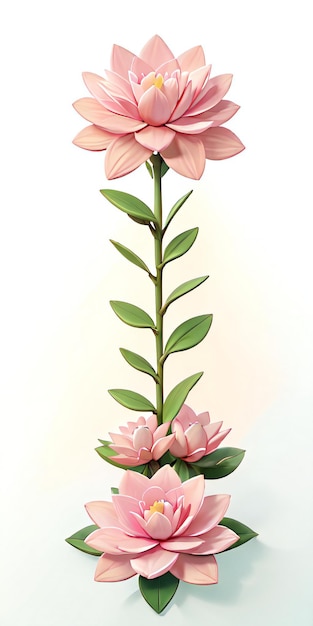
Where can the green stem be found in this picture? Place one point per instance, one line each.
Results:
(156, 161)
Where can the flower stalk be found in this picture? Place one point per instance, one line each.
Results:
(156, 161)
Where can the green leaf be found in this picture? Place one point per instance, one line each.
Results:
(179, 245)
(77, 540)
(149, 168)
(129, 204)
(164, 168)
(132, 400)
(176, 208)
(182, 290)
(132, 315)
(178, 395)
(130, 256)
(115, 491)
(105, 452)
(181, 468)
(158, 592)
(138, 362)
(244, 532)
(220, 463)
(188, 334)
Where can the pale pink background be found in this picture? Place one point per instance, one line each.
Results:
(60, 338)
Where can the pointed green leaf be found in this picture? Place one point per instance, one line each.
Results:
(178, 395)
(158, 592)
(138, 362)
(77, 540)
(132, 315)
(244, 532)
(182, 290)
(149, 168)
(181, 468)
(129, 204)
(164, 168)
(188, 334)
(220, 463)
(132, 400)
(179, 245)
(176, 208)
(130, 256)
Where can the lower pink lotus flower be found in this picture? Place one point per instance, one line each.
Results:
(141, 442)
(195, 436)
(160, 525)
(156, 102)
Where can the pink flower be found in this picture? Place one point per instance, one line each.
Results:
(160, 525)
(195, 436)
(141, 442)
(155, 102)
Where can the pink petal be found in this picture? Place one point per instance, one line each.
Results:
(158, 526)
(124, 506)
(154, 563)
(124, 451)
(94, 112)
(154, 107)
(94, 138)
(133, 484)
(203, 418)
(170, 89)
(195, 570)
(152, 421)
(102, 513)
(183, 104)
(119, 87)
(137, 545)
(214, 90)
(161, 446)
(161, 431)
(182, 544)
(166, 478)
(186, 156)
(179, 446)
(196, 437)
(121, 60)
(145, 455)
(191, 59)
(106, 540)
(155, 137)
(216, 540)
(195, 456)
(156, 52)
(198, 78)
(186, 416)
(127, 460)
(222, 112)
(212, 429)
(121, 440)
(113, 569)
(221, 143)
(153, 493)
(215, 441)
(209, 515)
(124, 155)
(142, 438)
(193, 493)
(190, 125)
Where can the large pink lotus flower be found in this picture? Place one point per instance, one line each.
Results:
(141, 442)
(160, 525)
(195, 436)
(155, 102)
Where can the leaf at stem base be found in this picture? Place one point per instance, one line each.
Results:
(158, 592)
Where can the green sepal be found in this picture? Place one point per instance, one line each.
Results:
(166, 459)
(105, 452)
(182, 290)
(149, 168)
(158, 592)
(115, 491)
(188, 334)
(129, 204)
(78, 540)
(220, 463)
(179, 245)
(138, 362)
(164, 168)
(175, 209)
(178, 395)
(244, 532)
(130, 256)
(132, 315)
(132, 400)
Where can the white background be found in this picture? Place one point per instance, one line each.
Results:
(60, 339)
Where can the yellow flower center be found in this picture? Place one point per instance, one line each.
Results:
(158, 81)
(158, 506)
